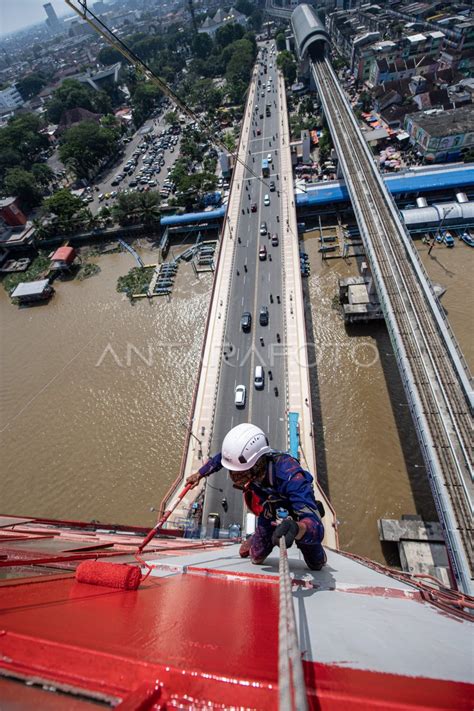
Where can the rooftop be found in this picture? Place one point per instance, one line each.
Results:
(30, 288)
(445, 123)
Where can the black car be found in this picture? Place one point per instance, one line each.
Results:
(246, 321)
(272, 186)
(263, 316)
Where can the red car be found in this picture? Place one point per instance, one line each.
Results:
(254, 207)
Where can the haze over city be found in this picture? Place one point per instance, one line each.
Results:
(16, 16)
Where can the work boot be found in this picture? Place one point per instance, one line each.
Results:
(318, 566)
(244, 550)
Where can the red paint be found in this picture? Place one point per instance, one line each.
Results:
(201, 637)
(189, 639)
(340, 688)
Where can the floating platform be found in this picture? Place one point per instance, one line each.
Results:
(359, 300)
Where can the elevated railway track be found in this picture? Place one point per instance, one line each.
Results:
(436, 382)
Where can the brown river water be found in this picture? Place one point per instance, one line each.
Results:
(93, 395)
(94, 392)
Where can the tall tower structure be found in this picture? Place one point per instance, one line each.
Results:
(52, 20)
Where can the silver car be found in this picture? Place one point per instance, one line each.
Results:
(240, 396)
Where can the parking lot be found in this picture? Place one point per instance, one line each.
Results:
(147, 160)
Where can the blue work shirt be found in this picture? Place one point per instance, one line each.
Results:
(285, 485)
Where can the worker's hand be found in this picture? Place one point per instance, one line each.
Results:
(288, 529)
(193, 479)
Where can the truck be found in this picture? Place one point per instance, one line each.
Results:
(265, 168)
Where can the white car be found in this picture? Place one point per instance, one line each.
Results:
(266, 200)
(240, 395)
(269, 157)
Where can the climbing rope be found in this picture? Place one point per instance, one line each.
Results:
(290, 668)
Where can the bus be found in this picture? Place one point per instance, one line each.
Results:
(265, 168)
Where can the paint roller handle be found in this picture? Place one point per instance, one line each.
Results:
(164, 518)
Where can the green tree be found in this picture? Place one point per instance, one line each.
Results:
(85, 146)
(68, 211)
(127, 208)
(21, 142)
(280, 41)
(365, 101)
(42, 174)
(145, 98)
(256, 20)
(150, 207)
(63, 205)
(245, 7)
(171, 117)
(109, 55)
(286, 63)
(72, 95)
(31, 85)
(229, 33)
(229, 140)
(239, 68)
(112, 123)
(202, 45)
(22, 184)
(324, 145)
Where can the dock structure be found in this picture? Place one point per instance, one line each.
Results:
(421, 546)
(134, 254)
(359, 300)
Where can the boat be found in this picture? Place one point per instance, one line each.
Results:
(204, 629)
(467, 239)
(448, 239)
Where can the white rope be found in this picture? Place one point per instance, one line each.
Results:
(290, 668)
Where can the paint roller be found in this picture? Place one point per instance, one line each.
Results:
(123, 576)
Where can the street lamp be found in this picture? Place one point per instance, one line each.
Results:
(192, 434)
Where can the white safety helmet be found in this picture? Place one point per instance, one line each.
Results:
(243, 446)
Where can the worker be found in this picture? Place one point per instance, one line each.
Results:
(270, 480)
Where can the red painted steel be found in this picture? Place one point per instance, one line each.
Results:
(187, 639)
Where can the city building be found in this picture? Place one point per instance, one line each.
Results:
(441, 135)
(10, 213)
(220, 19)
(52, 20)
(10, 98)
